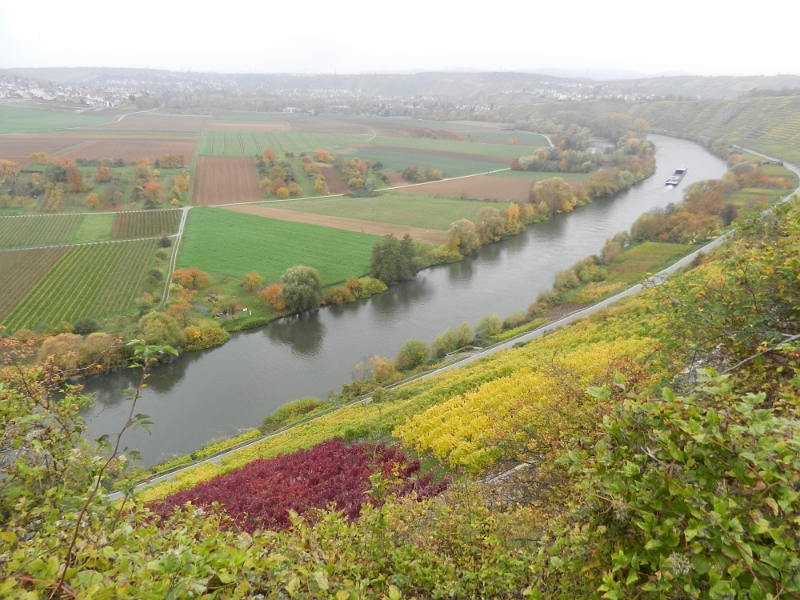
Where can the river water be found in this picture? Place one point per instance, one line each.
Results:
(217, 392)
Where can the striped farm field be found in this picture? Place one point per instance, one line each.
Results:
(146, 223)
(226, 143)
(92, 280)
(20, 270)
(37, 230)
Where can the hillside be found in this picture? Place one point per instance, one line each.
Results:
(769, 125)
(661, 438)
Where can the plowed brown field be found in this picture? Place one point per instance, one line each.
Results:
(435, 236)
(133, 147)
(479, 186)
(395, 178)
(18, 148)
(335, 183)
(225, 181)
(248, 126)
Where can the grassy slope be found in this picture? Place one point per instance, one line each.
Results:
(452, 167)
(769, 125)
(220, 241)
(401, 209)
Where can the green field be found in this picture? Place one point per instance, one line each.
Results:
(31, 120)
(397, 161)
(401, 209)
(224, 242)
(523, 138)
(476, 149)
(39, 230)
(540, 175)
(94, 228)
(215, 143)
(93, 280)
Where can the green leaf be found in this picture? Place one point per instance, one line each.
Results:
(653, 544)
(322, 580)
(394, 593)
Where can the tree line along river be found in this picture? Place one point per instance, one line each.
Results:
(216, 393)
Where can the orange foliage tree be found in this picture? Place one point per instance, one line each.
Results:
(103, 174)
(75, 179)
(271, 295)
(8, 168)
(191, 278)
(322, 156)
(269, 154)
(92, 200)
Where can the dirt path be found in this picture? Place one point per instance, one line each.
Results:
(435, 236)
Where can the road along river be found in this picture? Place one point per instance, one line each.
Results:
(215, 393)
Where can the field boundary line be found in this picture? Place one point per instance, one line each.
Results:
(154, 237)
(174, 258)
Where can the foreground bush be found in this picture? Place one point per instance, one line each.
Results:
(261, 494)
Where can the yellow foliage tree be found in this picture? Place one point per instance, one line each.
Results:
(251, 280)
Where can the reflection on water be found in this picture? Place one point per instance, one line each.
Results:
(303, 333)
(217, 392)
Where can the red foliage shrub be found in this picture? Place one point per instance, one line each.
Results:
(260, 495)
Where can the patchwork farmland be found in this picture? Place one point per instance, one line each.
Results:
(226, 143)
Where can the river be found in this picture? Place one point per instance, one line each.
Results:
(218, 392)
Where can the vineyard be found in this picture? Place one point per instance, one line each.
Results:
(147, 223)
(39, 230)
(91, 280)
(220, 143)
(261, 494)
(19, 272)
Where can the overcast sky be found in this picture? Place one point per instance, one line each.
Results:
(693, 37)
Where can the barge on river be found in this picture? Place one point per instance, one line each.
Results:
(676, 177)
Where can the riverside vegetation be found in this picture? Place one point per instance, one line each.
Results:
(660, 434)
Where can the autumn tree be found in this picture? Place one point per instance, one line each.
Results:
(302, 288)
(294, 190)
(8, 169)
(490, 225)
(265, 185)
(192, 278)
(551, 194)
(251, 280)
(269, 154)
(103, 174)
(92, 200)
(322, 156)
(282, 193)
(181, 311)
(320, 187)
(39, 158)
(74, 179)
(463, 237)
(271, 295)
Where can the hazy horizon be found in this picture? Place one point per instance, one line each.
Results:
(621, 36)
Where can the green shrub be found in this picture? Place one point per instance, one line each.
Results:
(85, 326)
(489, 325)
(412, 354)
(288, 412)
(692, 496)
(370, 286)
